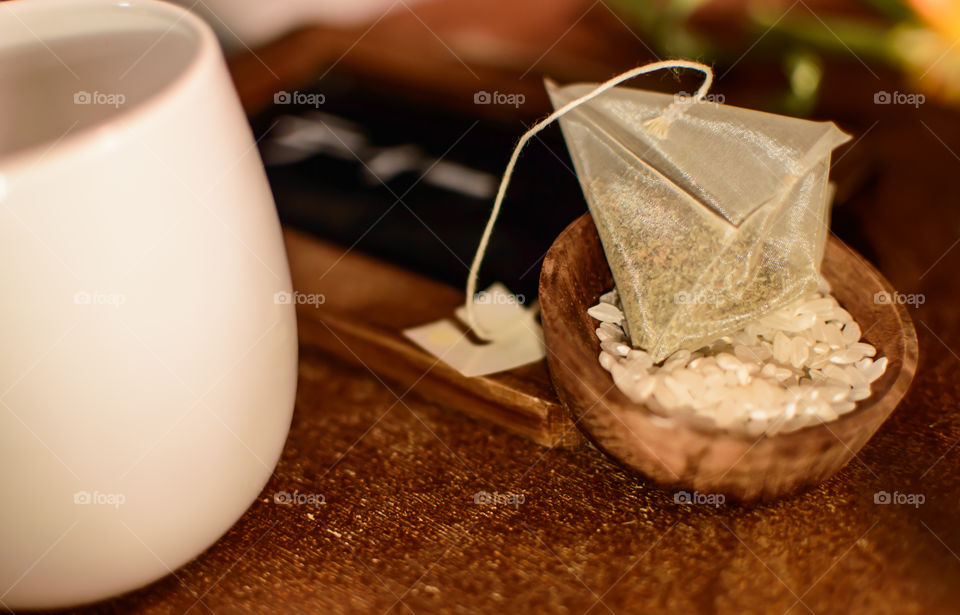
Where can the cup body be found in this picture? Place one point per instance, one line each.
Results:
(147, 353)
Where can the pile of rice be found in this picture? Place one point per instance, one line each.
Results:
(801, 365)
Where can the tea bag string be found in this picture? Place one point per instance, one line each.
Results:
(657, 126)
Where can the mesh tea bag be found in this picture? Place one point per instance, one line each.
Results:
(710, 215)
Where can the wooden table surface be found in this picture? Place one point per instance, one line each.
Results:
(400, 531)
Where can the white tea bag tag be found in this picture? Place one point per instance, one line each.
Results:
(518, 337)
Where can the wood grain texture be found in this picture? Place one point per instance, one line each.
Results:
(678, 453)
(367, 305)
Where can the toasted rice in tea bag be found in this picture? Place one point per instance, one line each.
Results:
(710, 216)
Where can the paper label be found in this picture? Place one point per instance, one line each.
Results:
(519, 338)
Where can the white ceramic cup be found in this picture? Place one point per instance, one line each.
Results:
(148, 351)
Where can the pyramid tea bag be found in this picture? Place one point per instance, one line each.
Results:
(710, 216)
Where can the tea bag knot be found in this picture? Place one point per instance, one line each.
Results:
(658, 126)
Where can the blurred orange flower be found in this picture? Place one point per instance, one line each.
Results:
(931, 53)
(942, 15)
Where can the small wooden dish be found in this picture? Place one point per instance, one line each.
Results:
(681, 455)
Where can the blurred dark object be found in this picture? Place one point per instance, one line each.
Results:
(417, 192)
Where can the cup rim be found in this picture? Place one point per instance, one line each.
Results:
(207, 53)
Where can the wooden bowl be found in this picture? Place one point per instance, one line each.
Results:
(679, 454)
